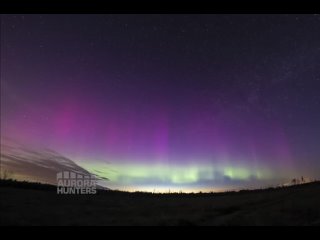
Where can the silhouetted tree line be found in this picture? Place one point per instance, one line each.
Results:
(298, 180)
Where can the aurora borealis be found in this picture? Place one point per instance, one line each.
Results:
(158, 102)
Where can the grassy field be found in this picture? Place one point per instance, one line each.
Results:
(32, 204)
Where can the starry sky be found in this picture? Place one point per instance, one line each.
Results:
(158, 102)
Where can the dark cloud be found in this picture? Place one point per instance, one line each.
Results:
(24, 163)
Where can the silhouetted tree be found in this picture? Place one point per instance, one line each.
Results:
(6, 174)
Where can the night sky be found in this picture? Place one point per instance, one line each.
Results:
(158, 102)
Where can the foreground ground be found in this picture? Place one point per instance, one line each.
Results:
(297, 205)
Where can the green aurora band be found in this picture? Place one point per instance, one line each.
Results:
(160, 177)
